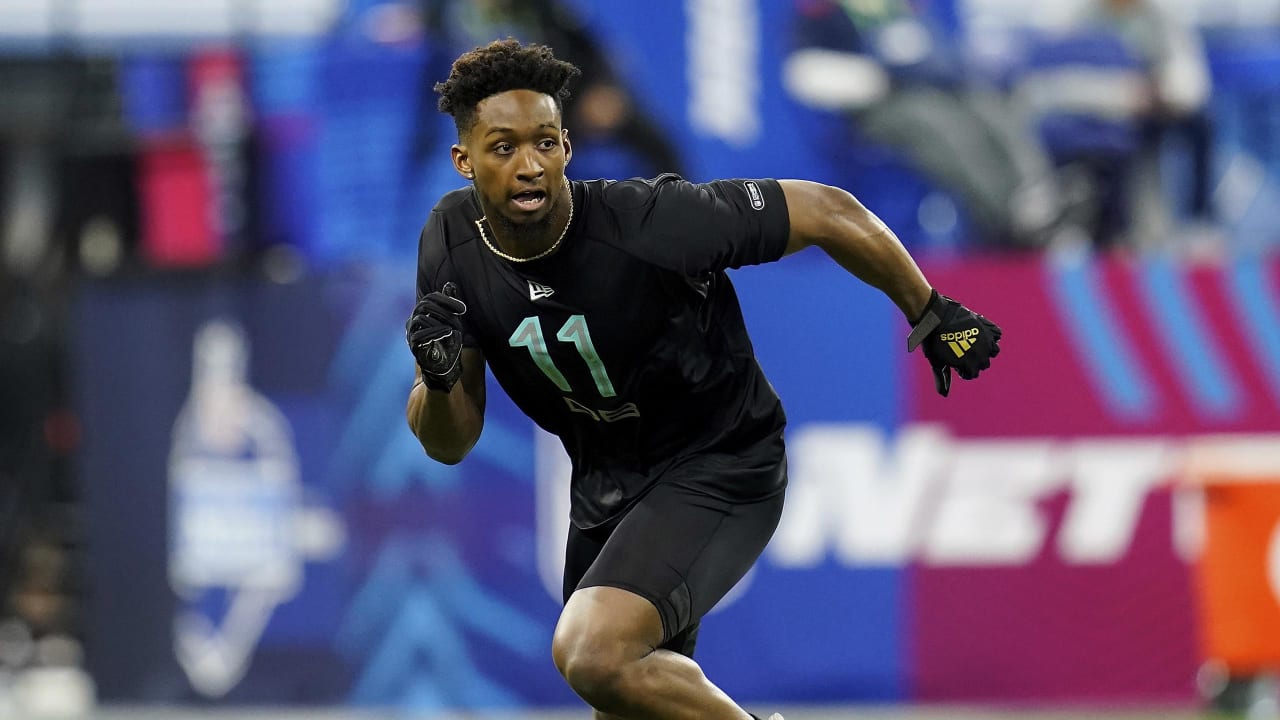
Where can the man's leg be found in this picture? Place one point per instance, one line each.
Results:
(606, 647)
(581, 550)
(629, 626)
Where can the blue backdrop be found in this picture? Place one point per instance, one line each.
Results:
(432, 596)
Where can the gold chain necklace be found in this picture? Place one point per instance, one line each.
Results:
(494, 248)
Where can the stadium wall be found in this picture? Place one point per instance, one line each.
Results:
(263, 528)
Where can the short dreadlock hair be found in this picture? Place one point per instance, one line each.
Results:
(500, 66)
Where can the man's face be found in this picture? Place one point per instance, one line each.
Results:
(517, 152)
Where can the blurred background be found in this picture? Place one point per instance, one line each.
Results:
(210, 504)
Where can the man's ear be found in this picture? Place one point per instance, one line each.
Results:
(568, 146)
(462, 162)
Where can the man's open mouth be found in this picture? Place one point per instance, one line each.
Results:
(529, 200)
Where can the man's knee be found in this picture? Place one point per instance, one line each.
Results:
(591, 660)
(601, 632)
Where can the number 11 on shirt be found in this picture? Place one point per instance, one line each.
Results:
(528, 334)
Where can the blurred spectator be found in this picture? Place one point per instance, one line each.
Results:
(37, 591)
(66, 197)
(1125, 84)
(1177, 88)
(897, 77)
(61, 202)
(605, 116)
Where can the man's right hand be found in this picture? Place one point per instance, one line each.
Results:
(434, 334)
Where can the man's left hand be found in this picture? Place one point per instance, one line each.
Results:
(954, 336)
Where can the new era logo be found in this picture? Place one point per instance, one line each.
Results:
(538, 291)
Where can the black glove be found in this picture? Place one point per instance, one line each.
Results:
(434, 333)
(954, 337)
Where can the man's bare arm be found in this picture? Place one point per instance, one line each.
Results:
(449, 424)
(854, 237)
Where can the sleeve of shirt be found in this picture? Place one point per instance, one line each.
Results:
(435, 268)
(696, 228)
(429, 256)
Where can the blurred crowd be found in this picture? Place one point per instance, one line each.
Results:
(1057, 135)
(1100, 124)
(62, 154)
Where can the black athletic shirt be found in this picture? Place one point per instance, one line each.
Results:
(628, 342)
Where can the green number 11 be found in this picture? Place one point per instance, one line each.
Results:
(528, 334)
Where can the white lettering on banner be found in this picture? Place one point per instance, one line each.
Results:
(863, 499)
(985, 506)
(944, 501)
(723, 43)
(1109, 482)
(846, 490)
(1189, 513)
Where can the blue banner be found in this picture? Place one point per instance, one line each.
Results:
(265, 528)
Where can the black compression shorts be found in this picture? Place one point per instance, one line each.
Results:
(677, 547)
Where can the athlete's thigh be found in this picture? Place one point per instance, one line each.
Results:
(683, 550)
(581, 550)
